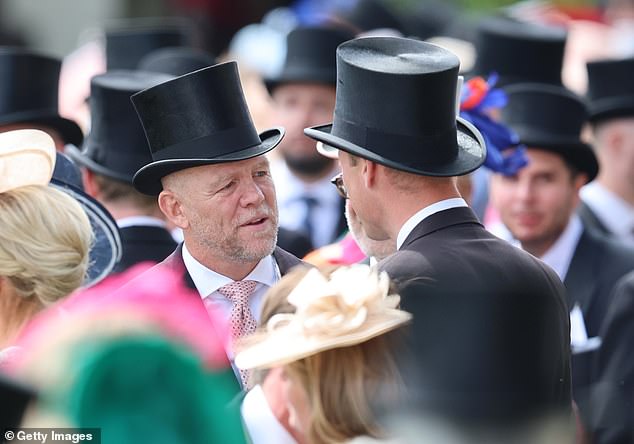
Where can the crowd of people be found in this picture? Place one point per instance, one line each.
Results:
(421, 244)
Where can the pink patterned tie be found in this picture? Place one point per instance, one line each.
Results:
(242, 321)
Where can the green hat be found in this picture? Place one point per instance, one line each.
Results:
(147, 389)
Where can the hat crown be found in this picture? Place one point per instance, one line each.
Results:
(206, 104)
(29, 83)
(610, 88)
(408, 87)
(520, 52)
(116, 140)
(552, 111)
(311, 55)
(128, 42)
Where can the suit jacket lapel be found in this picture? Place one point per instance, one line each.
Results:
(578, 287)
(285, 260)
(440, 220)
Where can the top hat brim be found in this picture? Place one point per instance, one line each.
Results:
(610, 108)
(301, 74)
(70, 132)
(574, 151)
(84, 160)
(471, 151)
(148, 179)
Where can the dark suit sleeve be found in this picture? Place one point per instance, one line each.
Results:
(612, 417)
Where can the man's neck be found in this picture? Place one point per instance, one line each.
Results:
(619, 187)
(123, 211)
(236, 270)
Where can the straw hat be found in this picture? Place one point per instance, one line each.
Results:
(27, 157)
(351, 307)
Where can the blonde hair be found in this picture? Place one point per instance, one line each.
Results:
(342, 384)
(44, 243)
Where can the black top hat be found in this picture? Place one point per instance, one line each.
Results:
(106, 249)
(310, 56)
(29, 85)
(611, 89)
(519, 52)
(396, 105)
(116, 145)
(176, 61)
(128, 41)
(550, 118)
(197, 119)
(367, 15)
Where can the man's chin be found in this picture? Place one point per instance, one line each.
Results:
(313, 165)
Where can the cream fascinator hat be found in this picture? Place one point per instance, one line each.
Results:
(350, 307)
(27, 157)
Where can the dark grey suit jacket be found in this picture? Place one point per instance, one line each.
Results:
(144, 244)
(597, 264)
(490, 340)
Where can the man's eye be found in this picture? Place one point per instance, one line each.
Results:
(262, 173)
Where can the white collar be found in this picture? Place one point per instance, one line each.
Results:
(260, 422)
(208, 281)
(615, 213)
(560, 254)
(289, 188)
(417, 218)
(143, 221)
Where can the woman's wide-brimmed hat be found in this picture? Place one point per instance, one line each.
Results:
(396, 106)
(200, 118)
(350, 307)
(27, 157)
(550, 118)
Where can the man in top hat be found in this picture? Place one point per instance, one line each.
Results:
(213, 181)
(489, 342)
(29, 84)
(538, 206)
(113, 151)
(608, 202)
(304, 95)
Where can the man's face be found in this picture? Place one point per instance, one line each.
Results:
(536, 203)
(299, 106)
(229, 209)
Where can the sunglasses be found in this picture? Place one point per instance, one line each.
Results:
(337, 181)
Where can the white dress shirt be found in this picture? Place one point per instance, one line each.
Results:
(560, 254)
(207, 282)
(140, 221)
(417, 218)
(616, 214)
(292, 209)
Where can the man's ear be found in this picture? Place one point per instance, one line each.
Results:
(172, 208)
(369, 170)
(90, 185)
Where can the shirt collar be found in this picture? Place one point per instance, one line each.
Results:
(208, 281)
(143, 221)
(560, 254)
(260, 420)
(417, 218)
(615, 213)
